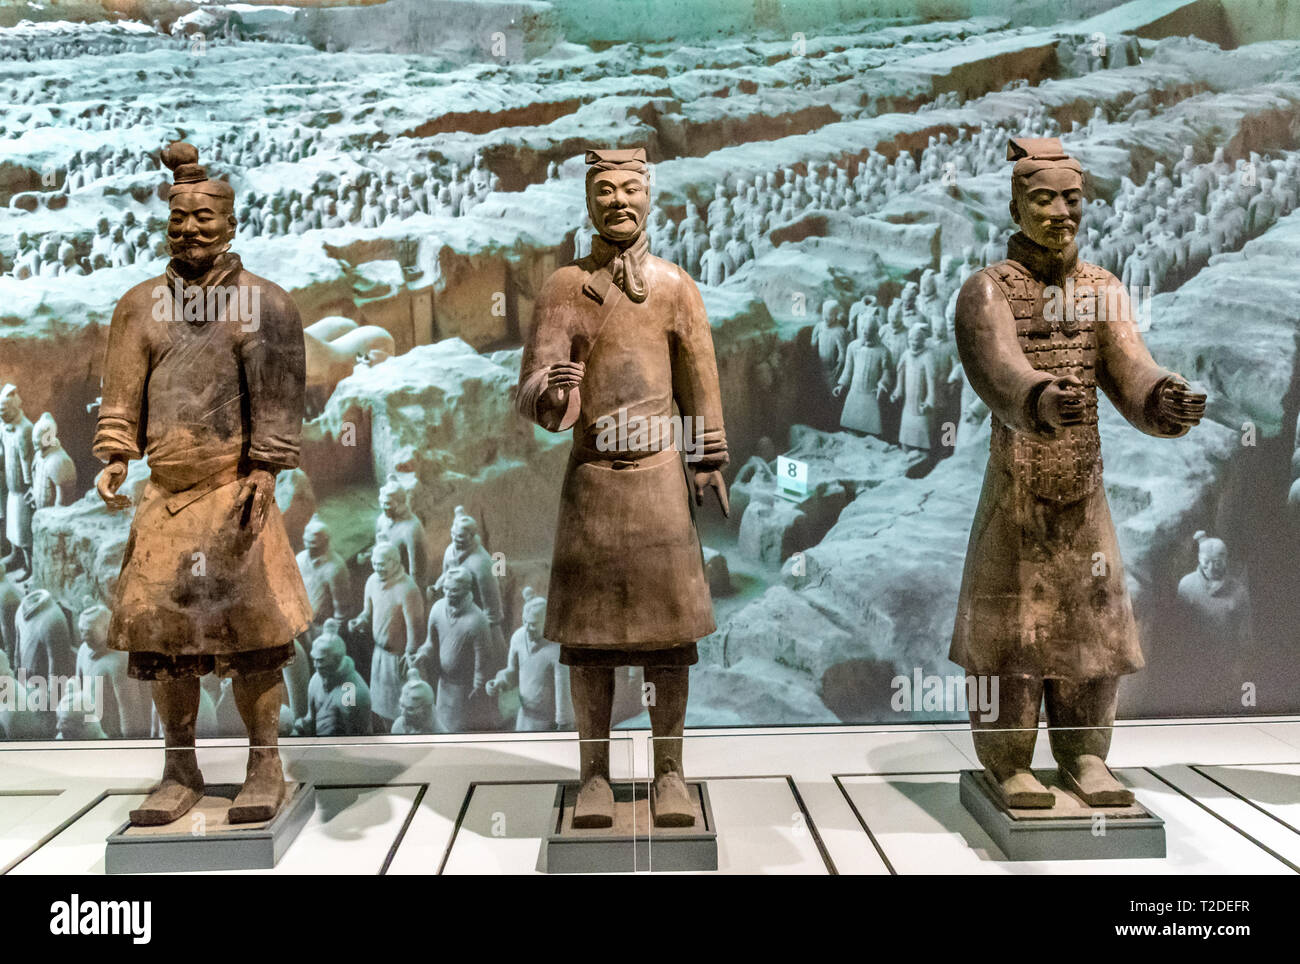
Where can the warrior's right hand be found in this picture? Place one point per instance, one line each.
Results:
(565, 375)
(1062, 403)
(109, 481)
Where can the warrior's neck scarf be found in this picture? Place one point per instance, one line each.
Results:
(614, 265)
(1048, 266)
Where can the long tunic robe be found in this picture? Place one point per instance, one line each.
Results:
(16, 443)
(204, 400)
(866, 369)
(1043, 591)
(545, 700)
(628, 571)
(395, 611)
(916, 386)
(455, 659)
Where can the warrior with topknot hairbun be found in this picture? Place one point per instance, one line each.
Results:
(204, 375)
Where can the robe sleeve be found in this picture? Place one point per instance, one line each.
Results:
(563, 697)
(413, 613)
(846, 375)
(1126, 372)
(120, 428)
(990, 354)
(549, 342)
(695, 377)
(482, 651)
(273, 357)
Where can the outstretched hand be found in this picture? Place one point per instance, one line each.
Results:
(1062, 402)
(1177, 405)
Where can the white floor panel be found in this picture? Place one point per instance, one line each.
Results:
(904, 789)
(922, 828)
(1242, 795)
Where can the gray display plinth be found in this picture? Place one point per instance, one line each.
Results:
(632, 843)
(204, 840)
(1070, 830)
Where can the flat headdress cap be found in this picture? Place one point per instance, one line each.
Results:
(188, 176)
(1033, 154)
(619, 159)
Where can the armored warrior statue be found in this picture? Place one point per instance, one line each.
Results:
(1044, 606)
(622, 332)
(214, 398)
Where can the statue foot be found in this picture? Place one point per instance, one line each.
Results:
(594, 808)
(170, 800)
(1021, 790)
(263, 791)
(671, 801)
(1090, 778)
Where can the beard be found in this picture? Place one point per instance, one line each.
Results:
(197, 254)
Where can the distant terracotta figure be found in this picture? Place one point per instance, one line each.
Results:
(204, 375)
(54, 477)
(1044, 606)
(534, 667)
(1216, 601)
(125, 709)
(393, 613)
(16, 484)
(915, 385)
(338, 700)
(865, 381)
(457, 651)
(399, 525)
(624, 332)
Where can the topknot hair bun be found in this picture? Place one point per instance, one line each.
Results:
(179, 152)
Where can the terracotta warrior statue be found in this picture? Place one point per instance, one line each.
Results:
(212, 394)
(622, 332)
(1044, 607)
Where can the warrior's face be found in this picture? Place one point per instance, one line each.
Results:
(327, 660)
(92, 629)
(1213, 559)
(393, 504)
(1048, 206)
(534, 621)
(618, 203)
(200, 228)
(462, 536)
(385, 561)
(316, 541)
(10, 407)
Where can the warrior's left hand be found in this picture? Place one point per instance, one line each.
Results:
(1178, 405)
(253, 503)
(712, 480)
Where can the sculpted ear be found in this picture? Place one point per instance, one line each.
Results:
(1015, 214)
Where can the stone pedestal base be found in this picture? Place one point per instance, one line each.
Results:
(632, 843)
(204, 840)
(1070, 830)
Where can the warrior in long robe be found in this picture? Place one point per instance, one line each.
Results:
(1044, 606)
(204, 375)
(618, 338)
